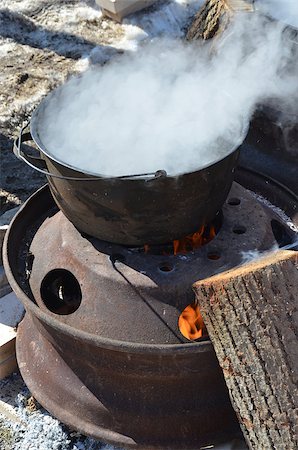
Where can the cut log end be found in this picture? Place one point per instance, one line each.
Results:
(258, 264)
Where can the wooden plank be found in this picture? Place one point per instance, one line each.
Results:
(8, 366)
(118, 9)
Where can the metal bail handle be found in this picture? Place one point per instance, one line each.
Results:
(39, 164)
(35, 162)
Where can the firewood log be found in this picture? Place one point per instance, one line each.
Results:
(251, 314)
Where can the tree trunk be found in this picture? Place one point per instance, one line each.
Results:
(251, 314)
(213, 17)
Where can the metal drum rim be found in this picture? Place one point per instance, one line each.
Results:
(204, 346)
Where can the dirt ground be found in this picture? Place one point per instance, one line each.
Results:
(38, 51)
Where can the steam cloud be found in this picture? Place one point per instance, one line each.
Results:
(285, 10)
(172, 105)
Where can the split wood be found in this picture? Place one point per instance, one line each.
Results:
(251, 314)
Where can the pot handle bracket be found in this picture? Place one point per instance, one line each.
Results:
(35, 162)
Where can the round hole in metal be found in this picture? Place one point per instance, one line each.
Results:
(213, 255)
(61, 292)
(234, 201)
(166, 267)
(239, 229)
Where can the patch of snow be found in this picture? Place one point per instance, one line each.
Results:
(166, 19)
(6, 47)
(87, 13)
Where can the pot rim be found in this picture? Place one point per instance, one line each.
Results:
(35, 119)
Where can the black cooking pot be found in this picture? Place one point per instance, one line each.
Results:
(134, 209)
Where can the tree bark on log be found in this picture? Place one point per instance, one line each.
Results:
(213, 17)
(251, 314)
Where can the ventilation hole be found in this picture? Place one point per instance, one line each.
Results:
(191, 324)
(61, 292)
(166, 267)
(214, 256)
(234, 201)
(281, 234)
(117, 257)
(239, 229)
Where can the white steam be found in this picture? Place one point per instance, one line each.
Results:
(284, 10)
(172, 105)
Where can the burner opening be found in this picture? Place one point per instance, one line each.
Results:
(61, 292)
(239, 229)
(214, 255)
(191, 324)
(234, 201)
(281, 234)
(166, 267)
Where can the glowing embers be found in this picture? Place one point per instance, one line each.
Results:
(191, 323)
(188, 243)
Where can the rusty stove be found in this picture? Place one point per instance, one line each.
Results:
(100, 346)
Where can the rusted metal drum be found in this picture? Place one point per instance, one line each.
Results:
(130, 394)
(99, 346)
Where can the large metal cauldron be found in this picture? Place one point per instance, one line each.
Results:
(134, 209)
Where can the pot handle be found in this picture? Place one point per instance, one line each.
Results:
(35, 162)
(39, 164)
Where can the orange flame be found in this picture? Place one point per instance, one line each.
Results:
(194, 241)
(191, 323)
(190, 242)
